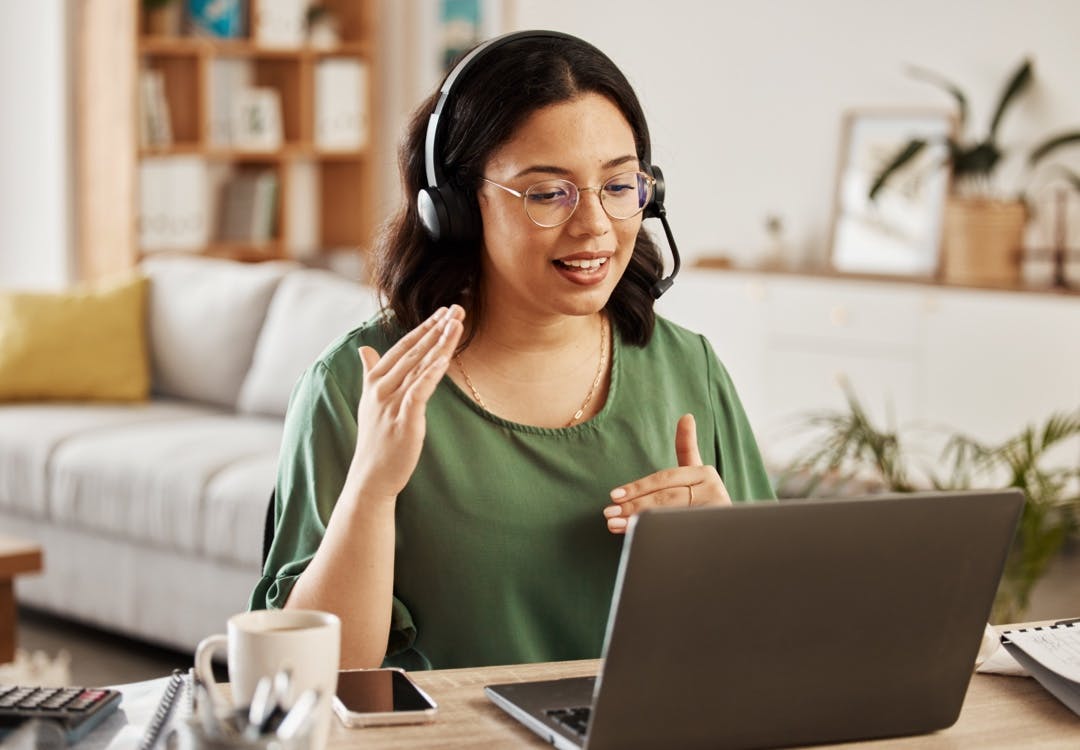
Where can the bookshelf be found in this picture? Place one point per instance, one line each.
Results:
(141, 193)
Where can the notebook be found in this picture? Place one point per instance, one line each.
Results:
(1051, 653)
(789, 623)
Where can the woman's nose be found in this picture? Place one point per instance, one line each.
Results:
(589, 216)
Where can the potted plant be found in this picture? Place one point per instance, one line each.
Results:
(983, 226)
(323, 27)
(851, 453)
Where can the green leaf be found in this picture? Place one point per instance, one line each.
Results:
(980, 160)
(1052, 144)
(1021, 79)
(1060, 427)
(906, 154)
(961, 101)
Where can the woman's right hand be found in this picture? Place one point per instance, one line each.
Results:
(391, 418)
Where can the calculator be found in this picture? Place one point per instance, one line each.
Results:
(76, 709)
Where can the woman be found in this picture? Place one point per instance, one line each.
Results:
(457, 474)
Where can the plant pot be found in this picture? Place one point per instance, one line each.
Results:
(982, 240)
(165, 20)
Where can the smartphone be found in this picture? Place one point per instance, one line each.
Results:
(375, 697)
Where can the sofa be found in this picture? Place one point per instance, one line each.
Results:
(151, 509)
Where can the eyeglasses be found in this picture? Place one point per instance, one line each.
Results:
(552, 202)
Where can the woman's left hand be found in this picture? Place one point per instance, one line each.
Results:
(690, 483)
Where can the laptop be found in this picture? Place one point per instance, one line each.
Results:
(790, 623)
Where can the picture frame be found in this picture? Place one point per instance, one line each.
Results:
(898, 233)
(256, 120)
(463, 23)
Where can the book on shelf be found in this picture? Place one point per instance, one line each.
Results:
(249, 207)
(220, 19)
(341, 111)
(173, 206)
(155, 126)
(227, 76)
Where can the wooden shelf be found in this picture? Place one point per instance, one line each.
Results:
(246, 252)
(194, 46)
(325, 199)
(288, 152)
(176, 149)
(241, 251)
(723, 264)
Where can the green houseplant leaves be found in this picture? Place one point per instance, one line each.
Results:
(974, 160)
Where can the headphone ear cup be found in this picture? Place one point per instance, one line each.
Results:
(464, 214)
(433, 214)
(448, 215)
(656, 205)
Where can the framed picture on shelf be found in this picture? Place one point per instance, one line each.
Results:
(256, 120)
(463, 23)
(898, 232)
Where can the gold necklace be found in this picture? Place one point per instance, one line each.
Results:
(584, 404)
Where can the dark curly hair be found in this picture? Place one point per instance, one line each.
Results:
(415, 275)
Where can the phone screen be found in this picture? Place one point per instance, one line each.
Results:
(379, 691)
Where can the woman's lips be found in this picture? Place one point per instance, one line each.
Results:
(582, 271)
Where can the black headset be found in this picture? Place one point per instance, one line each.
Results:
(452, 216)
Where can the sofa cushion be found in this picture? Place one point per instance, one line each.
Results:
(87, 344)
(148, 482)
(310, 309)
(30, 433)
(205, 315)
(235, 504)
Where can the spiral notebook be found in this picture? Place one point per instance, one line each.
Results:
(155, 730)
(1052, 654)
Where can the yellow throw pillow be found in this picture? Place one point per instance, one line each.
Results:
(86, 344)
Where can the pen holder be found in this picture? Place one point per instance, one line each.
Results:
(192, 735)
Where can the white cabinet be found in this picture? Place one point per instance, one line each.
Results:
(995, 362)
(919, 357)
(820, 337)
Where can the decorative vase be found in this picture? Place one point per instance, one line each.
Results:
(982, 240)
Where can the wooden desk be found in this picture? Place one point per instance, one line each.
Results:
(16, 556)
(999, 712)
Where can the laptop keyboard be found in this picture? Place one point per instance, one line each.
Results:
(574, 719)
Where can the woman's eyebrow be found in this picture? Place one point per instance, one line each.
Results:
(561, 171)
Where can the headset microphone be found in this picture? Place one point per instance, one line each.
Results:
(450, 215)
(656, 210)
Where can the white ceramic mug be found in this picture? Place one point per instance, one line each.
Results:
(261, 643)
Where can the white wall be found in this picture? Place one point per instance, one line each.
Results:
(745, 97)
(35, 154)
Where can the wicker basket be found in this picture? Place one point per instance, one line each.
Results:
(982, 240)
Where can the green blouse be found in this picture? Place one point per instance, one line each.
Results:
(503, 555)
